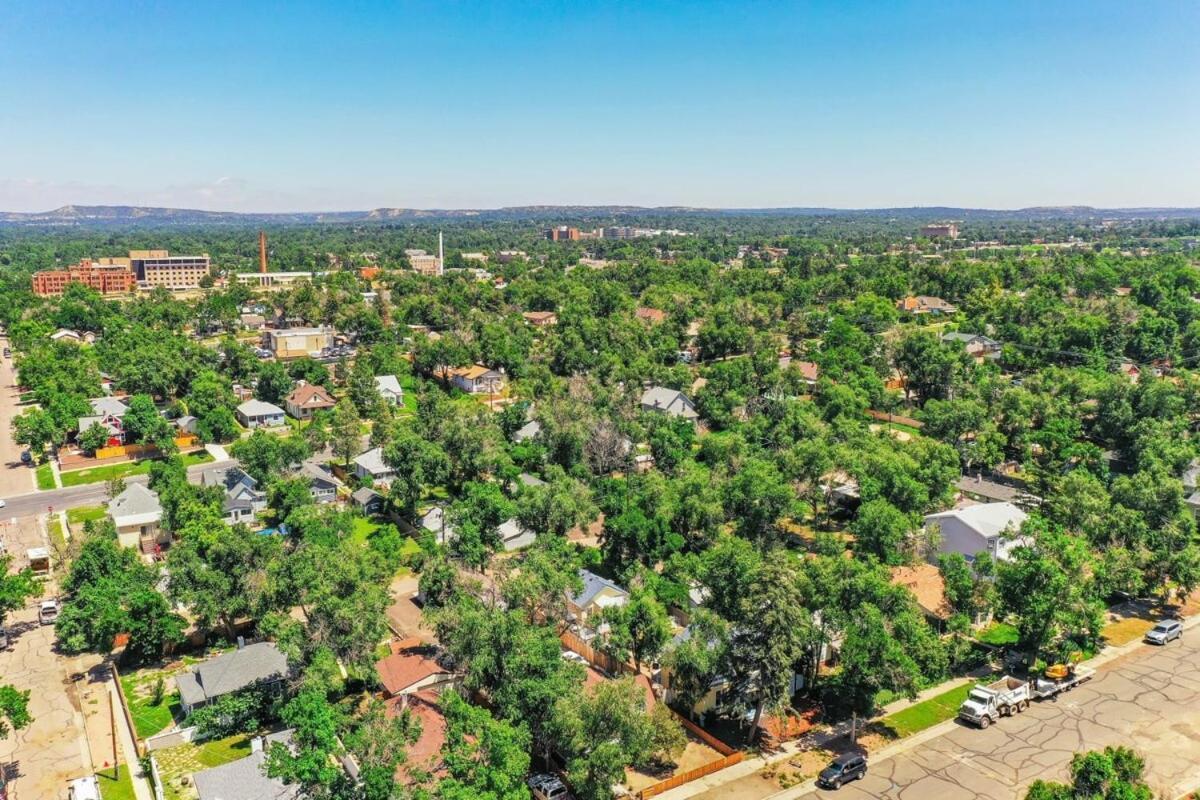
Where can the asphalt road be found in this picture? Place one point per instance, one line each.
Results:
(89, 494)
(1148, 699)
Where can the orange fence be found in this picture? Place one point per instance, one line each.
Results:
(885, 417)
(689, 776)
(703, 735)
(140, 450)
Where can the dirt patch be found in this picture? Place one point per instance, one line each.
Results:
(695, 755)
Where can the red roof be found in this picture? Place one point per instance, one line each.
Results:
(425, 753)
(410, 662)
(650, 314)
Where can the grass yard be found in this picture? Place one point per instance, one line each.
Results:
(999, 634)
(120, 788)
(149, 717)
(927, 713)
(364, 528)
(1126, 630)
(78, 477)
(45, 477)
(177, 763)
(85, 514)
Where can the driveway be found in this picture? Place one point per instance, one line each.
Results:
(1148, 700)
(40, 759)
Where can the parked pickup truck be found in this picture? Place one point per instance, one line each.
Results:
(987, 704)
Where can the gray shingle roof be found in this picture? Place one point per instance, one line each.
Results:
(593, 584)
(372, 462)
(670, 401)
(246, 778)
(388, 384)
(108, 405)
(137, 505)
(232, 671)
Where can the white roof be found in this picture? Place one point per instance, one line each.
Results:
(988, 519)
(372, 461)
(388, 383)
(259, 408)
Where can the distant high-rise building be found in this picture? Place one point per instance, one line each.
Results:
(618, 232)
(110, 278)
(940, 230)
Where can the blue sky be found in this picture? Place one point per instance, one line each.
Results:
(322, 106)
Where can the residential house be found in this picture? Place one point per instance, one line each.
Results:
(672, 402)
(253, 322)
(323, 485)
(307, 399)
(809, 371)
(289, 343)
(515, 537)
(260, 664)
(597, 594)
(920, 304)
(258, 414)
(412, 666)
(389, 389)
(540, 319)
(369, 466)
(476, 379)
(112, 406)
(113, 426)
(187, 424)
(246, 778)
(66, 334)
(977, 346)
(992, 528)
(369, 501)
(137, 515)
(512, 535)
(434, 520)
(243, 499)
(929, 588)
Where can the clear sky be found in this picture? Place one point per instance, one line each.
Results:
(331, 106)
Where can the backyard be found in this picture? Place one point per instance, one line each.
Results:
(118, 788)
(78, 477)
(140, 688)
(177, 764)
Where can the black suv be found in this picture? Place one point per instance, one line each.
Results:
(843, 769)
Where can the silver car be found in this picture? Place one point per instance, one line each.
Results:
(1165, 631)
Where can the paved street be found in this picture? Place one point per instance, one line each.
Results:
(15, 477)
(1148, 700)
(40, 759)
(90, 494)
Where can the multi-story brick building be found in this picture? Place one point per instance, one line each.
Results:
(160, 268)
(104, 278)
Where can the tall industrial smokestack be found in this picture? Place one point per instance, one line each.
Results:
(262, 251)
(441, 255)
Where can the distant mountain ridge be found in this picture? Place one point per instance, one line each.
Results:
(147, 215)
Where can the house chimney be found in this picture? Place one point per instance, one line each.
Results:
(262, 251)
(256, 744)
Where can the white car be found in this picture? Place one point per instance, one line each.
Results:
(3, 503)
(47, 613)
(548, 787)
(1165, 631)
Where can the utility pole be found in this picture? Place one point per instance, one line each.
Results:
(112, 718)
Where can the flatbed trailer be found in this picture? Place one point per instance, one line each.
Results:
(1046, 687)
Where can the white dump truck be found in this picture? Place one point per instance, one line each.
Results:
(1009, 695)
(987, 704)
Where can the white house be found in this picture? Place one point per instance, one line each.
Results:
(370, 466)
(672, 402)
(137, 514)
(243, 499)
(389, 389)
(992, 528)
(257, 414)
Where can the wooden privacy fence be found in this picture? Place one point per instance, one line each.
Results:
(133, 732)
(883, 416)
(674, 781)
(594, 657)
(141, 450)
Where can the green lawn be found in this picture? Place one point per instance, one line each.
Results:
(79, 477)
(149, 718)
(119, 789)
(176, 764)
(999, 634)
(45, 477)
(84, 514)
(927, 713)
